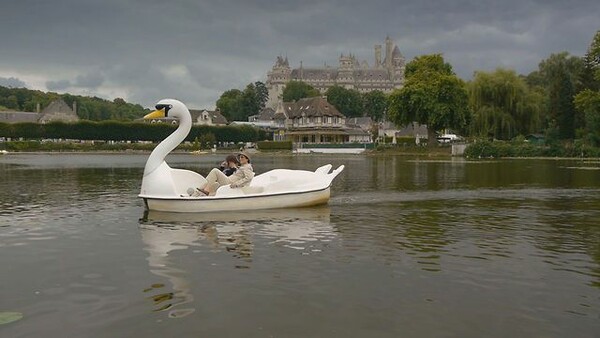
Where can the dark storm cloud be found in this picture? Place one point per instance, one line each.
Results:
(194, 50)
(58, 85)
(90, 80)
(11, 82)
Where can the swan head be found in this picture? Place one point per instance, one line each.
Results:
(168, 107)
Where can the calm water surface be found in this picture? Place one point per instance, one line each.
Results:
(407, 247)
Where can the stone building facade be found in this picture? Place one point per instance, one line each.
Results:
(57, 110)
(385, 74)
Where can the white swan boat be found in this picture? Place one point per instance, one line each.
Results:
(166, 189)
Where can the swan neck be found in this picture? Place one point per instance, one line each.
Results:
(167, 145)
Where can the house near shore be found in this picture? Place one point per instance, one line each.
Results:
(208, 117)
(388, 130)
(57, 110)
(314, 120)
(360, 129)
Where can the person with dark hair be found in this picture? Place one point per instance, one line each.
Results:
(230, 165)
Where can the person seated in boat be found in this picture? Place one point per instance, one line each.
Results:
(241, 178)
(230, 165)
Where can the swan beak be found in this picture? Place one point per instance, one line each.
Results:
(157, 114)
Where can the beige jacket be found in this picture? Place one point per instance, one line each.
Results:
(242, 176)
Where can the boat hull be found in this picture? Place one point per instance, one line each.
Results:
(248, 202)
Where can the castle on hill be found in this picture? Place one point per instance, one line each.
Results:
(385, 75)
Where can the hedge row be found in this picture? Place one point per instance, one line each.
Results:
(496, 149)
(274, 145)
(124, 131)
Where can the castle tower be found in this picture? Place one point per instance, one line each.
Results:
(279, 75)
(398, 63)
(377, 56)
(346, 62)
(388, 53)
(346, 72)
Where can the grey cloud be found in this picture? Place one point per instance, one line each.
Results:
(11, 82)
(89, 80)
(58, 85)
(126, 46)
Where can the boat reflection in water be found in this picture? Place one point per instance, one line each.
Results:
(234, 232)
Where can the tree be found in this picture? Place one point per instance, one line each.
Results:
(347, 101)
(229, 103)
(92, 108)
(296, 90)
(591, 62)
(249, 103)
(374, 104)
(262, 94)
(432, 95)
(562, 107)
(503, 106)
(561, 74)
(588, 100)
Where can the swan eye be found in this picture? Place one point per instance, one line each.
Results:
(166, 107)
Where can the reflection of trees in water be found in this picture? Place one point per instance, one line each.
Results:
(65, 187)
(569, 229)
(397, 172)
(383, 230)
(493, 226)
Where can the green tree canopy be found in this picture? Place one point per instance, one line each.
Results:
(588, 100)
(250, 103)
(432, 95)
(230, 104)
(88, 108)
(561, 78)
(375, 104)
(591, 60)
(237, 105)
(262, 94)
(347, 101)
(296, 90)
(503, 106)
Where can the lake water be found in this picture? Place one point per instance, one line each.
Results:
(406, 247)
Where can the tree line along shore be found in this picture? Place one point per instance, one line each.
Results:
(560, 102)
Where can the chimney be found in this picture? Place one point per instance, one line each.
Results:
(75, 107)
(37, 108)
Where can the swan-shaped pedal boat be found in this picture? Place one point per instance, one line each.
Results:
(166, 189)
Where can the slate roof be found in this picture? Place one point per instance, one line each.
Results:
(266, 114)
(312, 106)
(18, 116)
(56, 110)
(215, 115)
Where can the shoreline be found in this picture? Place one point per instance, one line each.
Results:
(275, 153)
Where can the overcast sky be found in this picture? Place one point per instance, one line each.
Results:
(194, 50)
